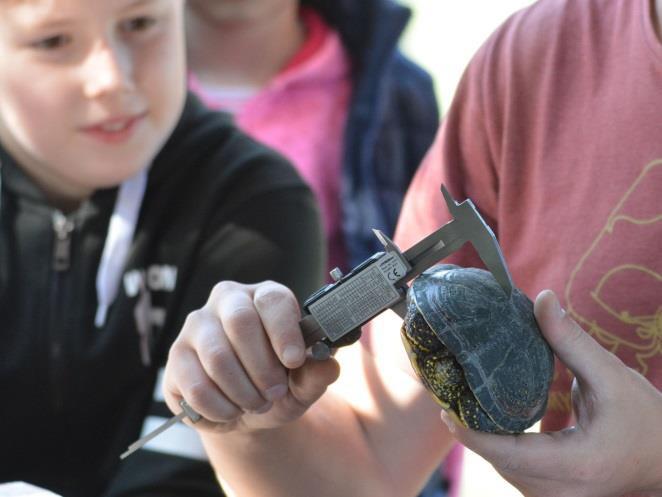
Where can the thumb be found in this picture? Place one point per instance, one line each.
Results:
(571, 344)
(309, 382)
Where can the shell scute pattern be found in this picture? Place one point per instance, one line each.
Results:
(479, 352)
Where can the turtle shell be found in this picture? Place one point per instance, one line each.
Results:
(506, 362)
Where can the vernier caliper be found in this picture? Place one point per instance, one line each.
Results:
(380, 283)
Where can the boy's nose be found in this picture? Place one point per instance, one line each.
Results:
(109, 69)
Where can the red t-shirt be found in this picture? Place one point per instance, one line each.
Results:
(556, 135)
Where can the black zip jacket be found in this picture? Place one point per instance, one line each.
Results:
(217, 206)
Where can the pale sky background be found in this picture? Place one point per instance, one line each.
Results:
(442, 36)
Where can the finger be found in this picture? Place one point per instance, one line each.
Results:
(279, 311)
(221, 364)
(244, 329)
(309, 382)
(574, 347)
(185, 378)
(529, 453)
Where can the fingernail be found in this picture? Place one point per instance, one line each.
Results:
(445, 417)
(292, 354)
(557, 310)
(276, 392)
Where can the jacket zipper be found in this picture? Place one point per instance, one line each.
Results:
(63, 228)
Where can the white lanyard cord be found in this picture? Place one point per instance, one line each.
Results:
(118, 241)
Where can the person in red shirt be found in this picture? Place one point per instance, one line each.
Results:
(554, 133)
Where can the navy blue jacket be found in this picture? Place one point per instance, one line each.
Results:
(393, 118)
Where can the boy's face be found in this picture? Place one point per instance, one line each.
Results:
(89, 89)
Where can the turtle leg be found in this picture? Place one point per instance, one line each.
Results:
(448, 378)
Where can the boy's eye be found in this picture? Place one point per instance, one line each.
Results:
(52, 42)
(137, 24)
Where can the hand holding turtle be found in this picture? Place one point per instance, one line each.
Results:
(240, 363)
(615, 448)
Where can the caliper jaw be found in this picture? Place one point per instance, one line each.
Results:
(334, 314)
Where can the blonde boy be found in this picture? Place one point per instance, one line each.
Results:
(122, 202)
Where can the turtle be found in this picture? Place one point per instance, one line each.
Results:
(476, 349)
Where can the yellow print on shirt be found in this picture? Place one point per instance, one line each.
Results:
(615, 291)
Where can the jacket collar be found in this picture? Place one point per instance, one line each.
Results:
(370, 29)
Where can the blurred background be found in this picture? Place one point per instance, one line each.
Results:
(442, 36)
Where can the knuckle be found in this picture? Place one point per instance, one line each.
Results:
(219, 360)
(197, 394)
(218, 357)
(272, 294)
(222, 288)
(196, 325)
(194, 319)
(241, 318)
(175, 353)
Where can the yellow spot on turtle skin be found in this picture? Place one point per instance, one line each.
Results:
(418, 332)
(469, 417)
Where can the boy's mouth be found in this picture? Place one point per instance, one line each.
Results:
(115, 129)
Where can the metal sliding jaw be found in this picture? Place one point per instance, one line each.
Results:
(380, 282)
